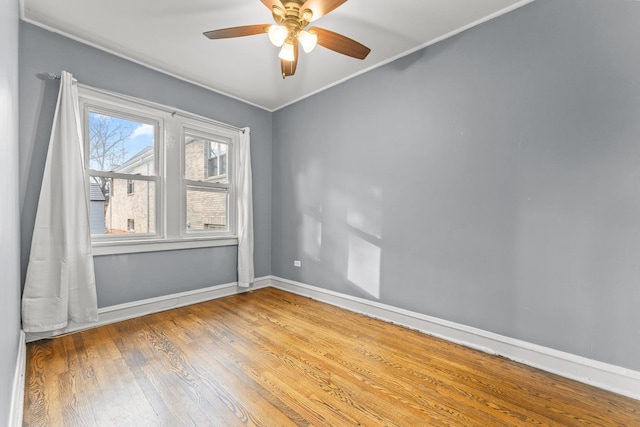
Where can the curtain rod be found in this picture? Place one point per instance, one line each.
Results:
(53, 76)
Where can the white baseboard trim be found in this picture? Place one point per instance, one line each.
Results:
(120, 312)
(612, 378)
(17, 395)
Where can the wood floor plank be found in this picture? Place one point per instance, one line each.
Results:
(172, 374)
(481, 382)
(269, 357)
(36, 395)
(385, 362)
(445, 403)
(250, 355)
(211, 364)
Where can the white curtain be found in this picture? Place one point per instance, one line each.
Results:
(245, 212)
(60, 283)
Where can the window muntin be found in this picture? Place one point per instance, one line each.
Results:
(151, 196)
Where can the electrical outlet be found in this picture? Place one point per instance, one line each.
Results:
(296, 263)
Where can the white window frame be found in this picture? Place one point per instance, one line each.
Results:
(170, 193)
(195, 128)
(130, 186)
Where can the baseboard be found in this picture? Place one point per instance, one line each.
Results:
(612, 378)
(120, 312)
(17, 395)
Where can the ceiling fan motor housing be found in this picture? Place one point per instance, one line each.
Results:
(292, 17)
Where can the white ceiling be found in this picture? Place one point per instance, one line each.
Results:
(167, 35)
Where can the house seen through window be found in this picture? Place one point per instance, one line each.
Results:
(145, 188)
(206, 182)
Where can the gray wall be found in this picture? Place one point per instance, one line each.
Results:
(9, 212)
(491, 179)
(126, 278)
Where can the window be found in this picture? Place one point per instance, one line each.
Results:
(206, 181)
(167, 179)
(216, 159)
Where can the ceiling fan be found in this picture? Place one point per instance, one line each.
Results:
(292, 17)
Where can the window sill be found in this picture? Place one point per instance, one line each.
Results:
(140, 246)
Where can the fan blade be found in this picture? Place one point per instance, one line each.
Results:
(320, 7)
(289, 67)
(247, 30)
(271, 3)
(341, 44)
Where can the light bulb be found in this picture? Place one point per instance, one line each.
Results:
(278, 34)
(287, 52)
(308, 40)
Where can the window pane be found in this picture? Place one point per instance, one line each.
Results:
(205, 160)
(206, 209)
(115, 210)
(120, 145)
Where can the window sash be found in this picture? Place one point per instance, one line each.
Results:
(126, 113)
(190, 131)
(144, 201)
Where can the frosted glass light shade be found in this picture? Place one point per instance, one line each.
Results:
(287, 52)
(278, 34)
(308, 40)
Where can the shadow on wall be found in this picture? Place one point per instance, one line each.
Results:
(341, 229)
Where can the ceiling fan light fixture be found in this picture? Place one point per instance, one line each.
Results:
(278, 34)
(308, 40)
(287, 54)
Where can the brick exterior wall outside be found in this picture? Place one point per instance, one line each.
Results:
(140, 206)
(195, 160)
(205, 209)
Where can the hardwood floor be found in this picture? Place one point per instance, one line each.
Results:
(271, 358)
